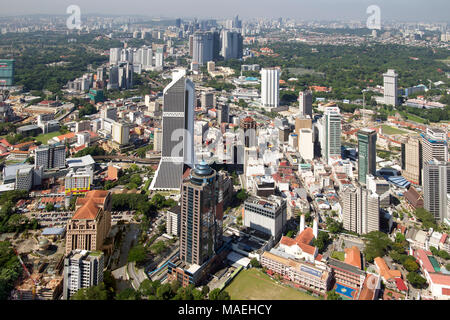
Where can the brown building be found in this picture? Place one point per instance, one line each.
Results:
(302, 122)
(91, 222)
(248, 125)
(412, 160)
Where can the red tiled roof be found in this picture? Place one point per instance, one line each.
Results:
(443, 238)
(422, 255)
(306, 236)
(401, 284)
(353, 256)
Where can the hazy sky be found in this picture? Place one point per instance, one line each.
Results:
(404, 10)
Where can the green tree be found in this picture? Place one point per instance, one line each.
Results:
(137, 254)
(377, 244)
(129, 294)
(416, 280)
(332, 295)
(255, 263)
(410, 265)
(91, 293)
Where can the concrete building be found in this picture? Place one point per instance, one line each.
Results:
(223, 115)
(201, 216)
(434, 145)
(50, 157)
(173, 221)
(231, 44)
(91, 222)
(412, 160)
(77, 181)
(367, 153)
(24, 179)
(157, 139)
(305, 103)
(202, 50)
(306, 144)
(436, 186)
(390, 79)
(267, 215)
(248, 127)
(177, 122)
(270, 87)
(332, 127)
(360, 210)
(120, 133)
(82, 269)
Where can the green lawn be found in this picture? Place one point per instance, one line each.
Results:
(339, 255)
(253, 284)
(391, 130)
(45, 137)
(412, 117)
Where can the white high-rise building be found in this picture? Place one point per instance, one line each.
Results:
(331, 135)
(390, 88)
(82, 269)
(114, 56)
(159, 59)
(436, 186)
(270, 87)
(305, 144)
(360, 210)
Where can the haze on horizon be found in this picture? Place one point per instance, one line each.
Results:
(307, 10)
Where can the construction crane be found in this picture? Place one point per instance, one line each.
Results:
(35, 282)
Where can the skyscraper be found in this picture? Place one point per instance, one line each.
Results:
(178, 132)
(270, 87)
(201, 221)
(332, 133)
(120, 133)
(114, 56)
(367, 153)
(412, 160)
(390, 88)
(361, 210)
(436, 186)
(82, 269)
(232, 45)
(434, 145)
(159, 58)
(202, 51)
(305, 103)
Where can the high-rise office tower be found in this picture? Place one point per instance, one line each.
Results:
(305, 103)
(367, 153)
(390, 88)
(125, 75)
(361, 210)
(331, 133)
(202, 50)
(216, 45)
(222, 113)
(412, 160)
(201, 219)
(436, 186)
(232, 45)
(178, 132)
(270, 87)
(178, 22)
(113, 82)
(50, 157)
(82, 269)
(434, 145)
(114, 55)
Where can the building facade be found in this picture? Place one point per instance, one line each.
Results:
(367, 153)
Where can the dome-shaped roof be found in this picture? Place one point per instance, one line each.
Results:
(43, 243)
(203, 169)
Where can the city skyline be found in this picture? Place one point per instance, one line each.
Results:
(321, 10)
